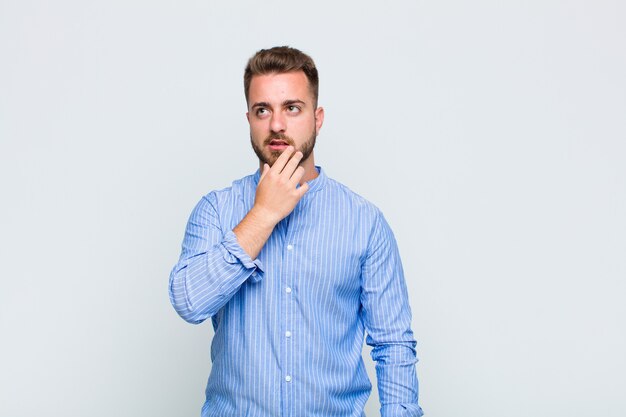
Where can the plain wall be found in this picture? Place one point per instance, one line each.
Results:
(491, 134)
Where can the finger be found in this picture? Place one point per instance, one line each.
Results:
(282, 159)
(291, 166)
(303, 189)
(266, 169)
(297, 175)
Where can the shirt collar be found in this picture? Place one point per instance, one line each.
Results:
(315, 184)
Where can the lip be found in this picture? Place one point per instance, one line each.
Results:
(277, 145)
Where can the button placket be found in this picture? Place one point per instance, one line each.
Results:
(288, 280)
(289, 264)
(288, 324)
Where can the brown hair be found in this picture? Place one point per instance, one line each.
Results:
(281, 59)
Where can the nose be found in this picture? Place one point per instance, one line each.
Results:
(278, 123)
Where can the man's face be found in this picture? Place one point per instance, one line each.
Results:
(281, 113)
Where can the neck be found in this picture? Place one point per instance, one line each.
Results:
(310, 173)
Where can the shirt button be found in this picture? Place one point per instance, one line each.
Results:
(288, 378)
(288, 290)
(289, 247)
(287, 333)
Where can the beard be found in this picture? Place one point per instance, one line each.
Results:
(269, 157)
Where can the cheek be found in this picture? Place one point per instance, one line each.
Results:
(256, 128)
(304, 126)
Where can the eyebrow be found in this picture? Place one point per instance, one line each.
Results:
(284, 103)
(260, 104)
(291, 102)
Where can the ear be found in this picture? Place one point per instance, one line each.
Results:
(319, 119)
(248, 116)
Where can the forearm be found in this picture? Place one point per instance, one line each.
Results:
(254, 230)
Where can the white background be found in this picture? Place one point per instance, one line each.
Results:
(491, 134)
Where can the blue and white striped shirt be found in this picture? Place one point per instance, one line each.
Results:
(289, 325)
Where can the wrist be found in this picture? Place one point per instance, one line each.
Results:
(263, 217)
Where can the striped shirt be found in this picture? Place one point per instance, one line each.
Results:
(289, 325)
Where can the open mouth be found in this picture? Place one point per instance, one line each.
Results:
(278, 144)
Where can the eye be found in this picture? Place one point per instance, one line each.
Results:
(293, 109)
(261, 111)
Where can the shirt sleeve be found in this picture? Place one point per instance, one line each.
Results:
(387, 319)
(211, 268)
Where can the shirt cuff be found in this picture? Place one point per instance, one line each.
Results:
(234, 253)
(401, 410)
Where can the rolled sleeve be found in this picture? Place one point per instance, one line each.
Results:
(401, 410)
(211, 268)
(234, 253)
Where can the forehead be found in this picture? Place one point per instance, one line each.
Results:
(279, 87)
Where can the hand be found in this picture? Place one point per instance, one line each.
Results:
(276, 194)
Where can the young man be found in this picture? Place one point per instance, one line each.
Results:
(293, 268)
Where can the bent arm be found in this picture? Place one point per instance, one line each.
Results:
(214, 263)
(387, 318)
(211, 268)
